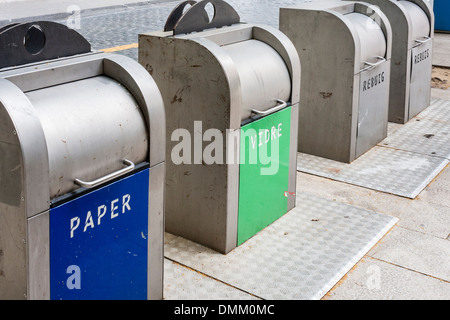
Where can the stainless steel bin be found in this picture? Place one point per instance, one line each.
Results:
(412, 50)
(81, 171)
(345, 52)
(230, 89)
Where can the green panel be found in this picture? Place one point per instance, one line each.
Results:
(264, 172)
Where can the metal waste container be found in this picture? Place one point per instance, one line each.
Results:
(411, 63)
(344, 50)
(81, 170)
(231, 92)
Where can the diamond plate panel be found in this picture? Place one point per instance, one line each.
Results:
(439, 110)
(181, 283)
(402, 164)
(302, 255)
(388, 170)
(428, 133)
(422, 136)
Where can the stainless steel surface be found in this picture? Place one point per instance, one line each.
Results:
(196, 70)
(70, 106)
(23, 186)
(411, 20)
(371, 38)
(262, 82)
(370, 65)
(155, 269)
(419, 22)
(26, 167)
(329, 38)
(107, 127)
(38, 257)
(426, 39)
(92, 184)
(282, 104)
(142, 86)
(373, 107)
(421, 69)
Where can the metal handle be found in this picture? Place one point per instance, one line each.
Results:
(373, 65)
(271, 110)
(92, 184)
(423, 41)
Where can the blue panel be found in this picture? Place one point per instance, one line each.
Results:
(442, 15)
(98, 243)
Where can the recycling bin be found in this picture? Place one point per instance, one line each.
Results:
(441, 14)
(345, 51)
(81, 170)
(412, 50)
(231, 93)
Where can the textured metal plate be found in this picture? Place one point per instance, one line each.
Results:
(182, 283)
(402, 164)
(428, 133)
(439, 110)
(383, 169)
(302, 255)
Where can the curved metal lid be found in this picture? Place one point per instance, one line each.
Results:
(420, 25)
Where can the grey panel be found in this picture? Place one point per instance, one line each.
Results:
(373, 107)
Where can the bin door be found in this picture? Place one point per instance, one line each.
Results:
(421, 68)
(373, 107)
(98, 243)
(264, 172)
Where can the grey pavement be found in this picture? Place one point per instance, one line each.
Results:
(412, 261)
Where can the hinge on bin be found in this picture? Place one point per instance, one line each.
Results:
(22, 43)
(196, 19)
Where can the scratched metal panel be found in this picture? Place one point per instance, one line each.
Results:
(383, 169)
(302, 255)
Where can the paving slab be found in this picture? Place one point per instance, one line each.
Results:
(415, 251)
(374, 279)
